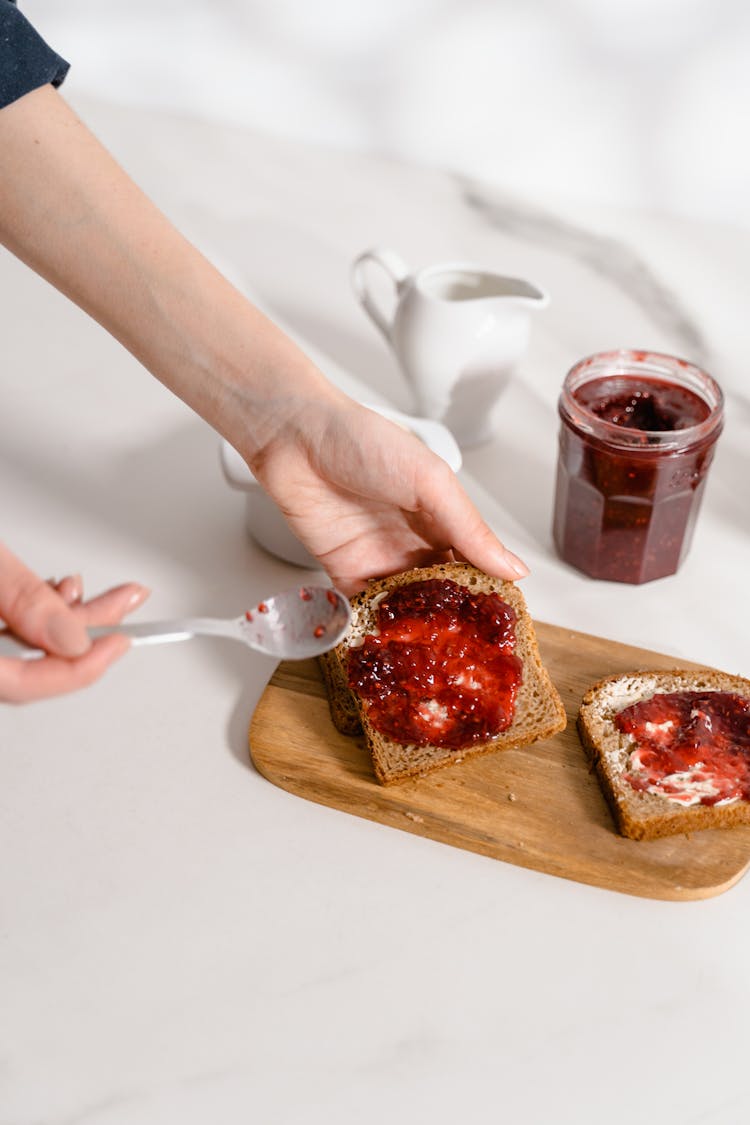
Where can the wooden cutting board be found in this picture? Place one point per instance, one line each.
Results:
(538, 807)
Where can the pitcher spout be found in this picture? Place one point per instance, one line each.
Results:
(524, 293)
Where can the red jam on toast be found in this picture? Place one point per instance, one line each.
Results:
(441, 668)
(693, 747)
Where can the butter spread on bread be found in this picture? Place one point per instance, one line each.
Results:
(671, 749)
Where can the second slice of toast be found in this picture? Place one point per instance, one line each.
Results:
(647, 815)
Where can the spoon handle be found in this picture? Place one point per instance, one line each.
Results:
(165, 632)
(143, 633)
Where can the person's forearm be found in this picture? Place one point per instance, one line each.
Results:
(70, 212)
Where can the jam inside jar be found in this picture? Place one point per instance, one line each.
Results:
(637, 437)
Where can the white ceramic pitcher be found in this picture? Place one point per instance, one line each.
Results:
(457, 331)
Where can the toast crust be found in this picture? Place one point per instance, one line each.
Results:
(649, 816)
(538, 714)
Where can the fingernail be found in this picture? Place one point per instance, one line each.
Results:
(138, 597)
(66, 635)
(519, 568)
(70, 589)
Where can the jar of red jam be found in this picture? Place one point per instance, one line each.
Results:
(637, 436)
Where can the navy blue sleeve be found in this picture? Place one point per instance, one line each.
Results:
(26, 61)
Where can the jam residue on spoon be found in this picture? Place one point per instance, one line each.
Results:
(441, 668)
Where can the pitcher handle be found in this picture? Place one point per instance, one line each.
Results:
(397, 270)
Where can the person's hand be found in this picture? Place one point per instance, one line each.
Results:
(369, 499)
(53, 616)
(365, 497)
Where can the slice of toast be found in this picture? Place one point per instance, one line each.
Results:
(538, 713)
(341, 701)
(646, 815)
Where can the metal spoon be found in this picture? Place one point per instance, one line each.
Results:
(294, 625)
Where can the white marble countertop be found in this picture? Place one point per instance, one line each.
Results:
(179, 940)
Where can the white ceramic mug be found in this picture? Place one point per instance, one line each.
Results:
(263, 518)
(457, 331)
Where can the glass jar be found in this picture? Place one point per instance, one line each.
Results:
(637, 437)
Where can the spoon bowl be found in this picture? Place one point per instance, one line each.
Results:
(297, 624)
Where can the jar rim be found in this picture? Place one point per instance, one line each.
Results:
(624, 363)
